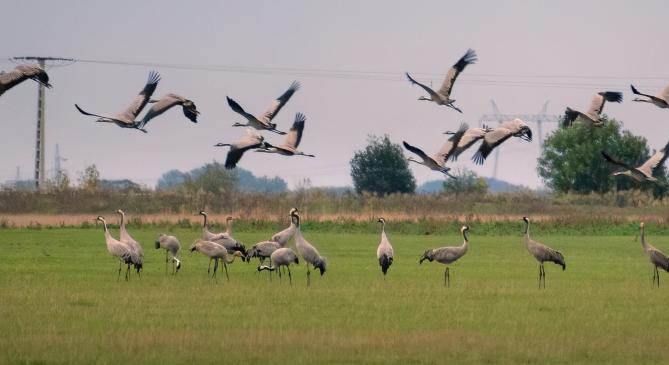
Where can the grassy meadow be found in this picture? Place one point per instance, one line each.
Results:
(60, 303)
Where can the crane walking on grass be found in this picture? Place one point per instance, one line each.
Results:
(542, 253)
(171, 245)
(118, 249)
(447, 255)
(656, 257)
(215, 252)
(283, 256)
(384, 253)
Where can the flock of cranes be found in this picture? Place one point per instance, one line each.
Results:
(224, 248)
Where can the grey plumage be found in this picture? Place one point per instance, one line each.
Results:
(137, 253)
(542, 253)
(224, 239)
(215, 252)
(660, 100)
(172, 246)
(471, 136)
(646, 170)
(443, 95)
(262, 250)
(264, 122)
(292, 141)
(494, 138)
(447, 255)
(165, 103)
(237, 148)
(437, 162)
(384, 252)
(656, 257)
(118, 249)
(308, 252)
(126, 118)
(283, 256)
(596, 107)
(285, 235)
(21, 73)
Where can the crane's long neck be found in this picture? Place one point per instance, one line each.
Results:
(228, 227)
(527, 232)
(465, 244)
(204, 222)
(108, 236)
(122, 221)
(229, 260)
(643, 239)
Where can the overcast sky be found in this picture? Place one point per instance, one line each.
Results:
(350, 57)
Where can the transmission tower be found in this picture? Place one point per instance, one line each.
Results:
(43, 62)
(498, 117)
(58, 171)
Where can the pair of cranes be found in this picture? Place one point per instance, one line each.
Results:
(464, 137)
(126, 249)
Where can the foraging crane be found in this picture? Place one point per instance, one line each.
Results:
(656, 257)
(596, 107)
(215, 252)
(265, 121)
(135, 247)
(471, 136)
(289, 146)
(283, 256)
(126, 119)
(165, 103)
(542, 253)
(384, 252)
(660, 100)
(224, 239)
(447, 255)
(308, 252)
(118, 249)
(238, 147)
(284, 236)
(646, 170)
(171, 245)
(262, 250)
(443, 95)
(437, 162)
(21, 73)
(494, 138)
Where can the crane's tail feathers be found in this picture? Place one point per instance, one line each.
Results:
(321, 264)
(265, 267)
(385, 263)
(178, 262)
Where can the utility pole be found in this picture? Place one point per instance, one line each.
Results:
(498, 117)
(41, 118)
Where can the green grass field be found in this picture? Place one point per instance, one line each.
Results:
(60, 303)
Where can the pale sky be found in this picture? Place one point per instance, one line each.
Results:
(529, 52)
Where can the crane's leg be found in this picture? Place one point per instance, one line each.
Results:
(290, 277)
(657, 273)
(209, 268)
(448, 277)
(127, 273)
(119, 271)
(166, 262)
(270, 272)
(279, 270)
(543, 274)
(539, 276)
(654, 273)
(445, 276)
(225, 266)
(215, 268)
(308, 275)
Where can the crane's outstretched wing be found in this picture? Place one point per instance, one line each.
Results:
(295, 134)
(235, 154)
(159, 107)
(427, 89)
(453, 72)
(239, 110)
(415, 150)
(656, 160)
(280, 102)
(448, 148)
(140, 101)
(490, 141)
(600, 99)
(637, 92)
(570, 116)
(113, 119)
(613, 161)
(21, 73)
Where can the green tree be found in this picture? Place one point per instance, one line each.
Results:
(466, 182)
(212, 178)
(381, 168)
(571, 159)
(90, 178)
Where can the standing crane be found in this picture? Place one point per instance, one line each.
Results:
(656, 257)
(384, 253)
(215, 252)
(135, 247)
(542, 253)
(171, 245)
(447, 255)
(284, 236)
(308, 252)
(118, 249)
